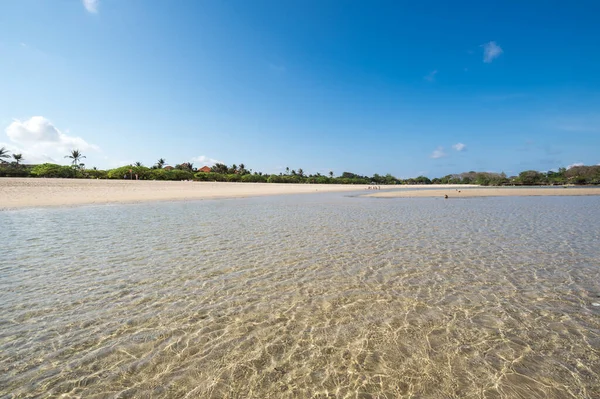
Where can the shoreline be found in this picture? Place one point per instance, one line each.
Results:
(479, 192)
(18, 193)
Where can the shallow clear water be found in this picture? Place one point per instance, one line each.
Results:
(303, 296)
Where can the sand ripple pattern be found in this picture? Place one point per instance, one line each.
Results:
(323, 296)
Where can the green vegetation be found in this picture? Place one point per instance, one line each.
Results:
(17, 158)
(579, 175)
(53, 170)
(4, 154)
(76, 157)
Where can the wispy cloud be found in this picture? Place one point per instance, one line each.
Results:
(575, 164)
(438, 153)
(459, 146)
(491, 51)
(430, 77)
(205, 161)
(40, 141)
(91, 5)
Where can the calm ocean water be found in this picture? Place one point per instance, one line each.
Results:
(303, 296)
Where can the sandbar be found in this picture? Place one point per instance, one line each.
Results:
(43, 192)
(457, 192)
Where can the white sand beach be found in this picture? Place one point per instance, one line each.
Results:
(32, 192)
(458, 192)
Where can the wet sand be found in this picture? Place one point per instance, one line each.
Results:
(31, 192)
(453, 192)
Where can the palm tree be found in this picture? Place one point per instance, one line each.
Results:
(161, 162)
(331, 173)
(138, 164)
(300, 172)
(4, 153)
(219, 168)
(287, 170)
(17, 158)
(75, 157)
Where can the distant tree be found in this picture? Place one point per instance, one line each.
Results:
(331, 173)
(18, 158)
(300, 172)
(350, 175)
(219, 168)
(583, 174)
(4, 153)
(138, 163)
(389, 179)
(287, 170)
(75, 157)
(531, 177)
(422, 180)
(186, 166)
(241, 170)
(160, 163)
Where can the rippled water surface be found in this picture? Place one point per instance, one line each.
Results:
(303, 296)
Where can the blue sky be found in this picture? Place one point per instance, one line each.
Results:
(407, 88)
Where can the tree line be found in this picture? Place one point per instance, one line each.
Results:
(578, 175)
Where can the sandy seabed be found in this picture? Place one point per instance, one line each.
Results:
(40, 192)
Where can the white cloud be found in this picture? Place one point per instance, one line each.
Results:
(575, 164)
(438, 153)
(459, 146)
(40, 141)
(91, 5)
(205, 161)
(491, 51)
(430, 77)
